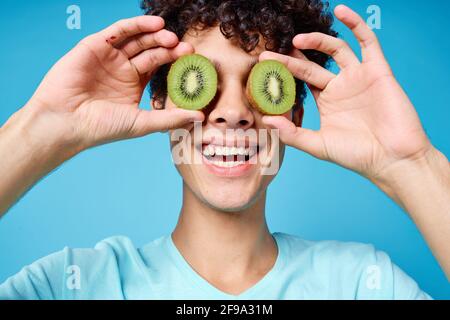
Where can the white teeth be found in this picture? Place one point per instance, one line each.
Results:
(211, 150)
(208, 150)
(220, 150)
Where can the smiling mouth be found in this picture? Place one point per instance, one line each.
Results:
(229, 157)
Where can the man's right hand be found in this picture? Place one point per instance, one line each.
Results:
(91, 95)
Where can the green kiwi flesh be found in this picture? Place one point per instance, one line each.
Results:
(271, 88)
(192, 82)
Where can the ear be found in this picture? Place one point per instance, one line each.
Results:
(297, 115)
(157, 103)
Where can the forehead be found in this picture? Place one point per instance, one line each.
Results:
(226, 53)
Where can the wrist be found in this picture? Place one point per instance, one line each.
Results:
(402, 178)
(42, 135)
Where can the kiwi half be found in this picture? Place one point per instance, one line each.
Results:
(271, 88)
(192, 82)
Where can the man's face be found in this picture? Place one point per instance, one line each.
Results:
(234, 182)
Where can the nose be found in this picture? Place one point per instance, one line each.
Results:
(231, 110)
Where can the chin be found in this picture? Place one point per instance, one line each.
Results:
(232, 202)
(228, 174)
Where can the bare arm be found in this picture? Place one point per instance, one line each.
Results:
(26, 157)
(369, 125)
(422, 187)
(90, 97)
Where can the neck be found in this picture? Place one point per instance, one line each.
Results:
(233, 250)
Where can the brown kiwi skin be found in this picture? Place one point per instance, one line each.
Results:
(250, 97)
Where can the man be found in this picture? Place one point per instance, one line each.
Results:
(221, 247)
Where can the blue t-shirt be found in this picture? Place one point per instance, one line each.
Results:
(115, 269)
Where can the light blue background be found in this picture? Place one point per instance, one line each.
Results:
(132, 188)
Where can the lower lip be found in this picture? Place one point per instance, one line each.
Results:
(237, 171)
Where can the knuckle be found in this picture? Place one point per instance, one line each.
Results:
(370, 39)
(171, 55)
(339, 47)
(87, 40)
(168, 124)
(307, 72)
(341, 44)
(140, 43)
(320, 42)
(122, 21)
(120, 24)
(121, 27)
(137, 25)
(157, 38)
(152, 59)
(122, 32)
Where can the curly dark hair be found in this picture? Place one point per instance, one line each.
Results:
(244, 21)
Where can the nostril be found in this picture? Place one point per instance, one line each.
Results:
(243, 123)
(240, 123)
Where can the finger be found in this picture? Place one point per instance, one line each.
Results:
(149, 60)
(126, 28)
(142, 42)
(337, 48)
(305, 70)
(371, 49)
(298, 54)
(306, 140)
(163, 120)
(315, 92)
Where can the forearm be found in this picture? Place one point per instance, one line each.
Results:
(27, 153)
(422, 188)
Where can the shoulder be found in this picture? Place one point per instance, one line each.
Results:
(331, 256)
(116, 247)
(74, 273)
(329, 251)
(351, 269)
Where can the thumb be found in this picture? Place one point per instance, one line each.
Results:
(306, 140)
(163, 120)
